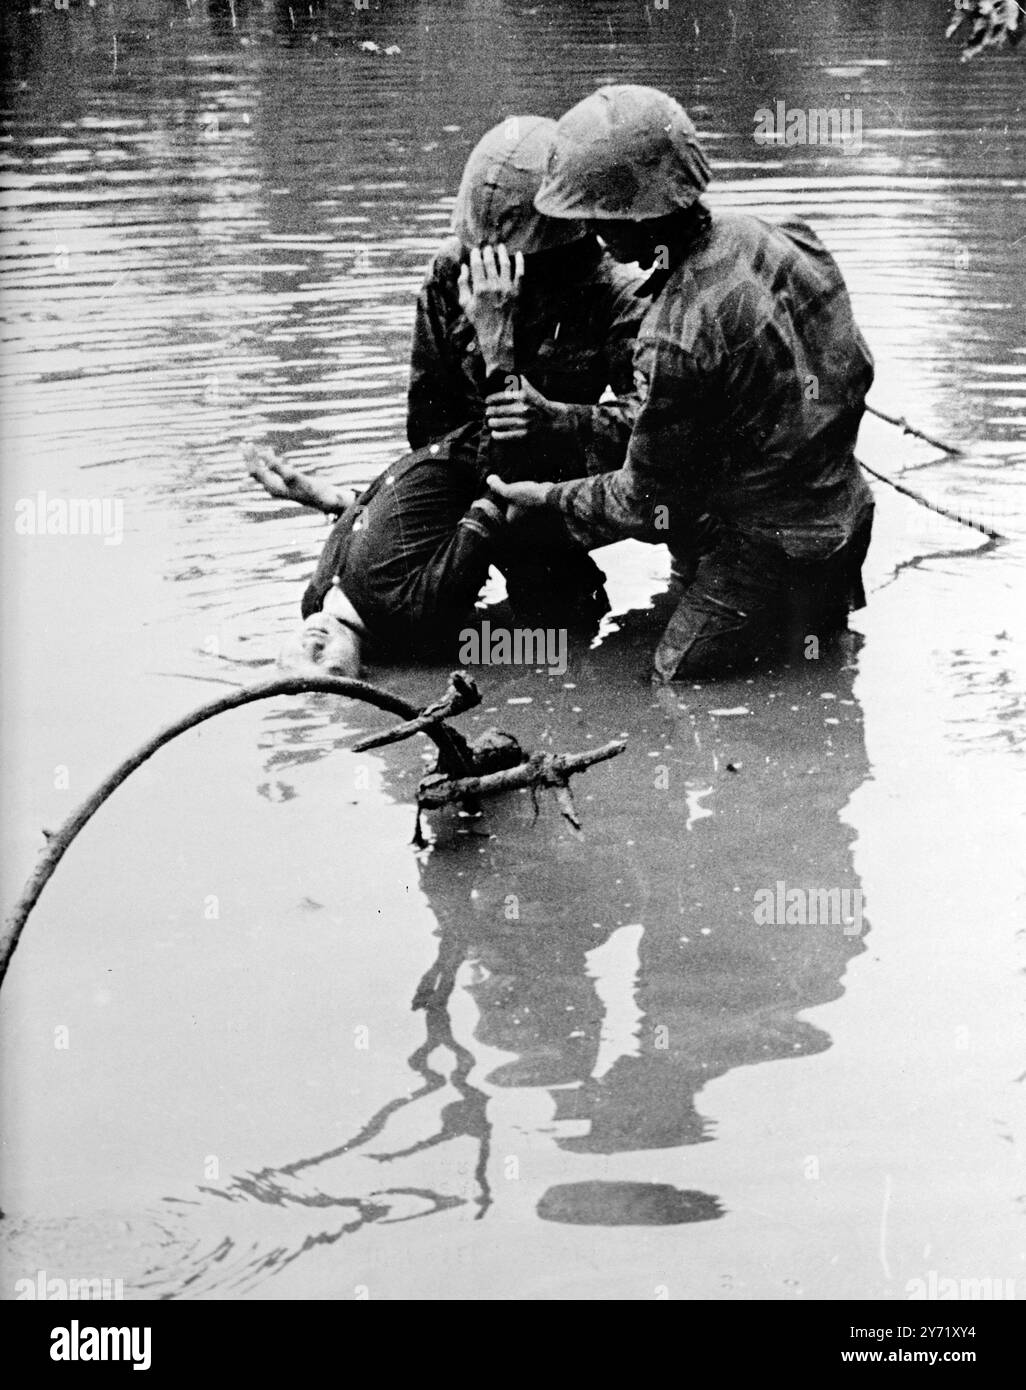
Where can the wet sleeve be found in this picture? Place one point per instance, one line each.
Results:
(613, 421)
(447, 585)
(593, 439)
(435, 405)
(661, 484)
(510, 459)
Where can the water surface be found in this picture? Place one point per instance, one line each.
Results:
(566, 1069)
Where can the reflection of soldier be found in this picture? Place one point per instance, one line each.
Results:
(620, 975)
(633, 974)
(626, 973)
(750, 802)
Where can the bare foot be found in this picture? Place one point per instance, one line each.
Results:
(281, 479)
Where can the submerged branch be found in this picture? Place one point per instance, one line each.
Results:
(537, 772)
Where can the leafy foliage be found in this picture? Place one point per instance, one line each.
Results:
(994, 24)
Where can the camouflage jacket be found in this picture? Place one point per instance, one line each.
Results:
(753, 375)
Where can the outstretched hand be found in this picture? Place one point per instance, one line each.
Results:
(519, 496)
(488, 290)
(278, 477)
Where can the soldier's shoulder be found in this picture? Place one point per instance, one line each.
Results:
(444, 266)
(713, 270)
(735, 232)
(731, 233)
(763, 250)
(802, 237)
(685, 314)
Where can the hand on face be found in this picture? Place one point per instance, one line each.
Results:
(488, 290)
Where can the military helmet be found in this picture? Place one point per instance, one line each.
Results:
(496, 197)
(625, 152)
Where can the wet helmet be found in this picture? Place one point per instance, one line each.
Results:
(496, 197)
(625, 152)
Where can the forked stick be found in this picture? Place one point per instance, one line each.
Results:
(537, 772)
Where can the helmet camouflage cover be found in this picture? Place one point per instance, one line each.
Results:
(495, 201)
(625, 152)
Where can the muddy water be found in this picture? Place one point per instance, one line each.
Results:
(250, 1028)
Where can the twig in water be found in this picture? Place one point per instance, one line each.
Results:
(461, 695)
(906, 428)
(934, 506)
(538, 771)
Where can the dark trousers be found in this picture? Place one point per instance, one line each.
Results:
(746, 601)
(413, 567)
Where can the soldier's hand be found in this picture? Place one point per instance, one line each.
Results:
(519, 496)
(520, 411)
(279, 478)
(488, 290)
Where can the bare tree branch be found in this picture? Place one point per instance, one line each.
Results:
(492, 763)
(461, 695)
(537, 772)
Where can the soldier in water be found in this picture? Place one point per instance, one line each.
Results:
(753, 376)
(523, 326)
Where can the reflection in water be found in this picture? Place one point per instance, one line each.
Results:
(710, 990)
(216, 217)
(619, 976)
(626, 1204)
